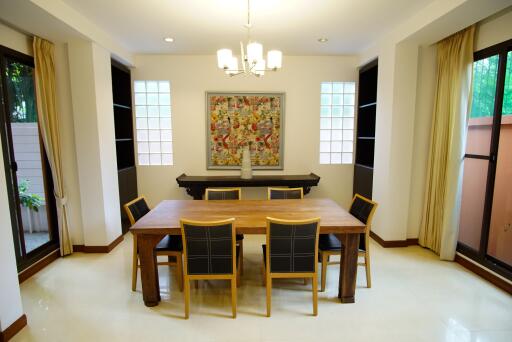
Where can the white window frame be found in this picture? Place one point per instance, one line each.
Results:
(153, 122)
(337, 120)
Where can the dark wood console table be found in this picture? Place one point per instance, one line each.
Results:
(196, 185)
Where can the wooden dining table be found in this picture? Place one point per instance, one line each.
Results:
(250, 218)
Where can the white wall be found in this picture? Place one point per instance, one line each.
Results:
(494, 30)
(10, 300)
(300, 79)
(93, 118)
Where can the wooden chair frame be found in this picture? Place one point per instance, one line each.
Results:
(269, 190)
(325, 255)
(241, 242)
(271, 275)
(231, 277)
(178, 256)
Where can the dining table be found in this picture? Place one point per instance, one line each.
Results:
(250, 218)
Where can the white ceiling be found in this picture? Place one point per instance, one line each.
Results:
(203, 26)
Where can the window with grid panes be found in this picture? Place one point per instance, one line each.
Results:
(337, 100)
(153, 122)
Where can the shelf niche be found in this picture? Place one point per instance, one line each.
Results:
(365, 137)
(123, 124)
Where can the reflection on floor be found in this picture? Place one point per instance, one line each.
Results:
(34, 240)
(415, 297)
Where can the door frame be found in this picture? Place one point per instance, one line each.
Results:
(480, 256)
(23, 259)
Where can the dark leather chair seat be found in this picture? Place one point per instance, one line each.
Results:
(329, 242)
(170, 243)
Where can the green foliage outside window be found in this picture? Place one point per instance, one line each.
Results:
(20, 87)
(31, 201)
(485, 72)
(507, 94)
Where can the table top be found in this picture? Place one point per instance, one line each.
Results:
(250, 215)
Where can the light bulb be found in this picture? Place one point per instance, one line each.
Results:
(233, 66)
(275, 59)
(259, 68)
(254, 52)
(224, 57)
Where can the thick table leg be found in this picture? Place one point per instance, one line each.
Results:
(148, 268)
(348, 267)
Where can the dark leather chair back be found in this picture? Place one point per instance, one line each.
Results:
(222, 194)
(362, 209)
(208, 248)
(293, 247)
(137, 208)
(277, 193)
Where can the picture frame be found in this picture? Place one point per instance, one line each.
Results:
(238, 119)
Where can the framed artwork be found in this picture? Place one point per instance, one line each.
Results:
(235, 120)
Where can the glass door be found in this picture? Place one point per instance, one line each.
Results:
(28, 177)
(485, 232)
(499, 246)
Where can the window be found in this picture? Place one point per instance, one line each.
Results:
(153, 122)
(337, 122)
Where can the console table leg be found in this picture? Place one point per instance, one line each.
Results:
(196, 192)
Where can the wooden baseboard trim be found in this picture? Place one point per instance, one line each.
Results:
(393, 243)
(98, 249)
(38, 266)
(484, 273)
(13, 329)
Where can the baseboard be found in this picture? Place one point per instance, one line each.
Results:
(393, 243)
(484, 273)
(13, 329)
(38, 266)
(98, 249)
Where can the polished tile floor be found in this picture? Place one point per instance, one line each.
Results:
(415, 297)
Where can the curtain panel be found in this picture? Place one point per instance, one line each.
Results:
(49, 126)
(440, 220)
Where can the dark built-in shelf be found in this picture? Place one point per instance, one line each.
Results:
(365, 137)
(365, 166)
(196, 185)
(368, 105)
(123, 124)
(121, 106)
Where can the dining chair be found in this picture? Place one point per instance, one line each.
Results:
(363, 209)
(210, 251)
(169, 246)
(285, 193)
(213, 194)
(291, 252)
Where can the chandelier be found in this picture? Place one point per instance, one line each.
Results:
(251, 56)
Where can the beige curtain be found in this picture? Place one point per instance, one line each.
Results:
(49, 126)
(440, 221)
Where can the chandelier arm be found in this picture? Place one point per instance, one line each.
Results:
(242, 55)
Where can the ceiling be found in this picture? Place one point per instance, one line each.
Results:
(204, 26)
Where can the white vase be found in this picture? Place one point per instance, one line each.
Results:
(246, 170)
